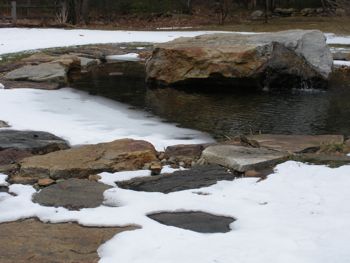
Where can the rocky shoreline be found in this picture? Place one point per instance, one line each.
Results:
(69, 177)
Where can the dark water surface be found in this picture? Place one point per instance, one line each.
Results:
(223, 113)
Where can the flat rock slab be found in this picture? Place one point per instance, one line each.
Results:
(35, 142)
(196, 221)
(240, 158)
(72, 194)
(34, 241)
(119, 155)
(183, 152)
(296, 143)
(197, 177)
(11, 84)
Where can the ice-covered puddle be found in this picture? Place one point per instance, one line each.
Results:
(299, 214)
(85, 119)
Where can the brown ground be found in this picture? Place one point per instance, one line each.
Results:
(34, 241)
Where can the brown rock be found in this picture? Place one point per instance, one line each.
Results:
(81, 162)
(34, 241)
(29, 85)
(45, 182)
(296, 143)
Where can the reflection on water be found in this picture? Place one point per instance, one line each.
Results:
(229, 113)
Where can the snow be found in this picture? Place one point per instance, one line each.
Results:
(125, 57)
(3, 178)
(337, 39)
(340, 63)
(299, 214)
(2, 86)
(23, 39)
(84, 119)
(111, 178)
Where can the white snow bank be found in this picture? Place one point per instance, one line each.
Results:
(299, 214)
(21, 39)
(340, 63)
(2, 86)
(3, 178)
(84, 119)
(125, 57)
(337, 39)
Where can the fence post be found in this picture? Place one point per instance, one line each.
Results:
(14, 11)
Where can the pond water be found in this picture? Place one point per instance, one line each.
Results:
(228, 113)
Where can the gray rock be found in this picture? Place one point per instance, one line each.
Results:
(256, 15)
(241, 158)
(284, 11)
(197, 177)
(288, 59)
(54, 71)
(72, 194)
(31, 141)
(88, 62)
(196, 221)
(46, 72)
(296, 143)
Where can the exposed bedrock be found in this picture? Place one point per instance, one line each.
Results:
(282, 60)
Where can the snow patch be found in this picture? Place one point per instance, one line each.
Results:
(2, 86)
(125, 57)
(3, 178)
(341, 63)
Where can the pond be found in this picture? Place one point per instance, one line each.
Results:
(224, 113)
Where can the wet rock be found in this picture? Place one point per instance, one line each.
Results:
(196, 221)
(184, 152)
(296, 143)
(34, 241)
(119, 155)
(34, 142)
(4, 124)
(72, 194)
(270, 60)
(197, 177)
(55, 71)
(241, 158)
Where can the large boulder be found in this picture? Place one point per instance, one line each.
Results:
(287, 59)
(87, 160)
